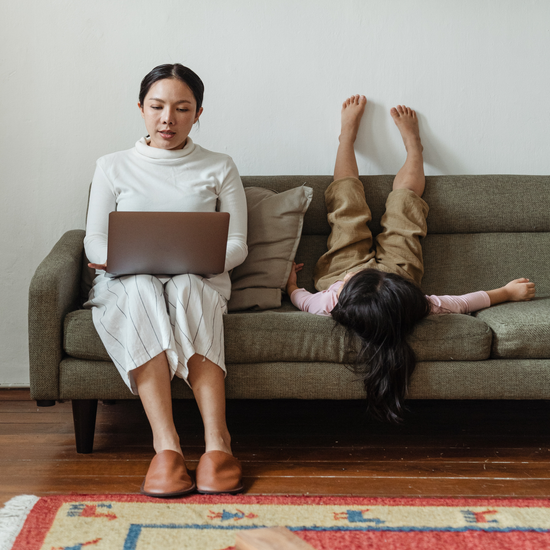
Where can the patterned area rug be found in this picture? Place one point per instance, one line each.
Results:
(133, 522)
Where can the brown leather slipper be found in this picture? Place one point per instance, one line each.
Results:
(167, 477)
(219, 472)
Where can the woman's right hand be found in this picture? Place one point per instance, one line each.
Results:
(98, 266)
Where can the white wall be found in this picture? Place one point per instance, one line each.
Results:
(275, 75)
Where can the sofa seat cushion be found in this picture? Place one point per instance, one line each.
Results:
(451, 338)
(521, 330)
(286, 334)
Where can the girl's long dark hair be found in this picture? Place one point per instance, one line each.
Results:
(382, 310)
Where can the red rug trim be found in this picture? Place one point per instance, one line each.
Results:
(38, 523)
(44, 511)
(474, 540)
(304, 500)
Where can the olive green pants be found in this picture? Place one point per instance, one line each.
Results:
(397, 249)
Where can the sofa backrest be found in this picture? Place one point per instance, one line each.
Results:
(483, 231)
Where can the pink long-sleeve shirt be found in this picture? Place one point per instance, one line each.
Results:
(322, 303)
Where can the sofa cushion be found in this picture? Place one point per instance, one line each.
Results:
(491, 379)
(275, 223)
(461, 263)
(297, 336)
(451, 338)
(521, 329)
(287, 334)
(80, 338)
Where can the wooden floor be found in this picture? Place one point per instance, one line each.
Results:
(445, 448)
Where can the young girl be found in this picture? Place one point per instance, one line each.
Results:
(374, 291)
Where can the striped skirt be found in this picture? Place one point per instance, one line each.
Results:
(139, 316)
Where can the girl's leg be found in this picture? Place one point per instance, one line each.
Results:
(411, 176)
(398, 247)
(350, 241)
(352, 112)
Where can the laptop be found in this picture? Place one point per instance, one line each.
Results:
(166, 243)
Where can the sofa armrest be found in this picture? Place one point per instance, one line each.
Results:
(53, 292)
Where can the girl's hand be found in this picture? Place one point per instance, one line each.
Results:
(520, 290)
(98, 266)
(291, 285)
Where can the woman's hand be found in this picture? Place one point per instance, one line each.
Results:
(291, 285)
(518, 290)
(98, 266)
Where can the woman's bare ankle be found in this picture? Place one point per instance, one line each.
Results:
(218, 442)
(167, 444)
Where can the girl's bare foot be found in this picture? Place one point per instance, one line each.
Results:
(352, 112)
(411, 175)
(406, 121)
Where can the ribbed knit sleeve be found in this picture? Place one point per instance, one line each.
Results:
(233, 200)
(102, 203)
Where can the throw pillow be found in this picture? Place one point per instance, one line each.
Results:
(275, 223)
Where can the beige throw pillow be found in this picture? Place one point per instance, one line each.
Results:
(275, 223)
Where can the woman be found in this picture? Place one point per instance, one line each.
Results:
(374, 291)
(156, 327)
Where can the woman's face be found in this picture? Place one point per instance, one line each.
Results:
(169, 111)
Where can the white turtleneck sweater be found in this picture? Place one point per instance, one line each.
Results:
(149, 179)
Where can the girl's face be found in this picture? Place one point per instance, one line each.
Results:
(169, 111)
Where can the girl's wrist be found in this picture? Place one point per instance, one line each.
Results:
(499, 295)
(290, 288)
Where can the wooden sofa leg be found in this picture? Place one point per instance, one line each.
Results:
(84, 413)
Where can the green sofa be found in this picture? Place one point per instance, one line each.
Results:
(483, 231)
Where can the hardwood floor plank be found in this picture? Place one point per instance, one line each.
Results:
(62, 447)
(15, 394)
(13, 406)
(79, 485)
(406, 488)
(85, 468)
(403, 487)
(37, 417)
(372, 469)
